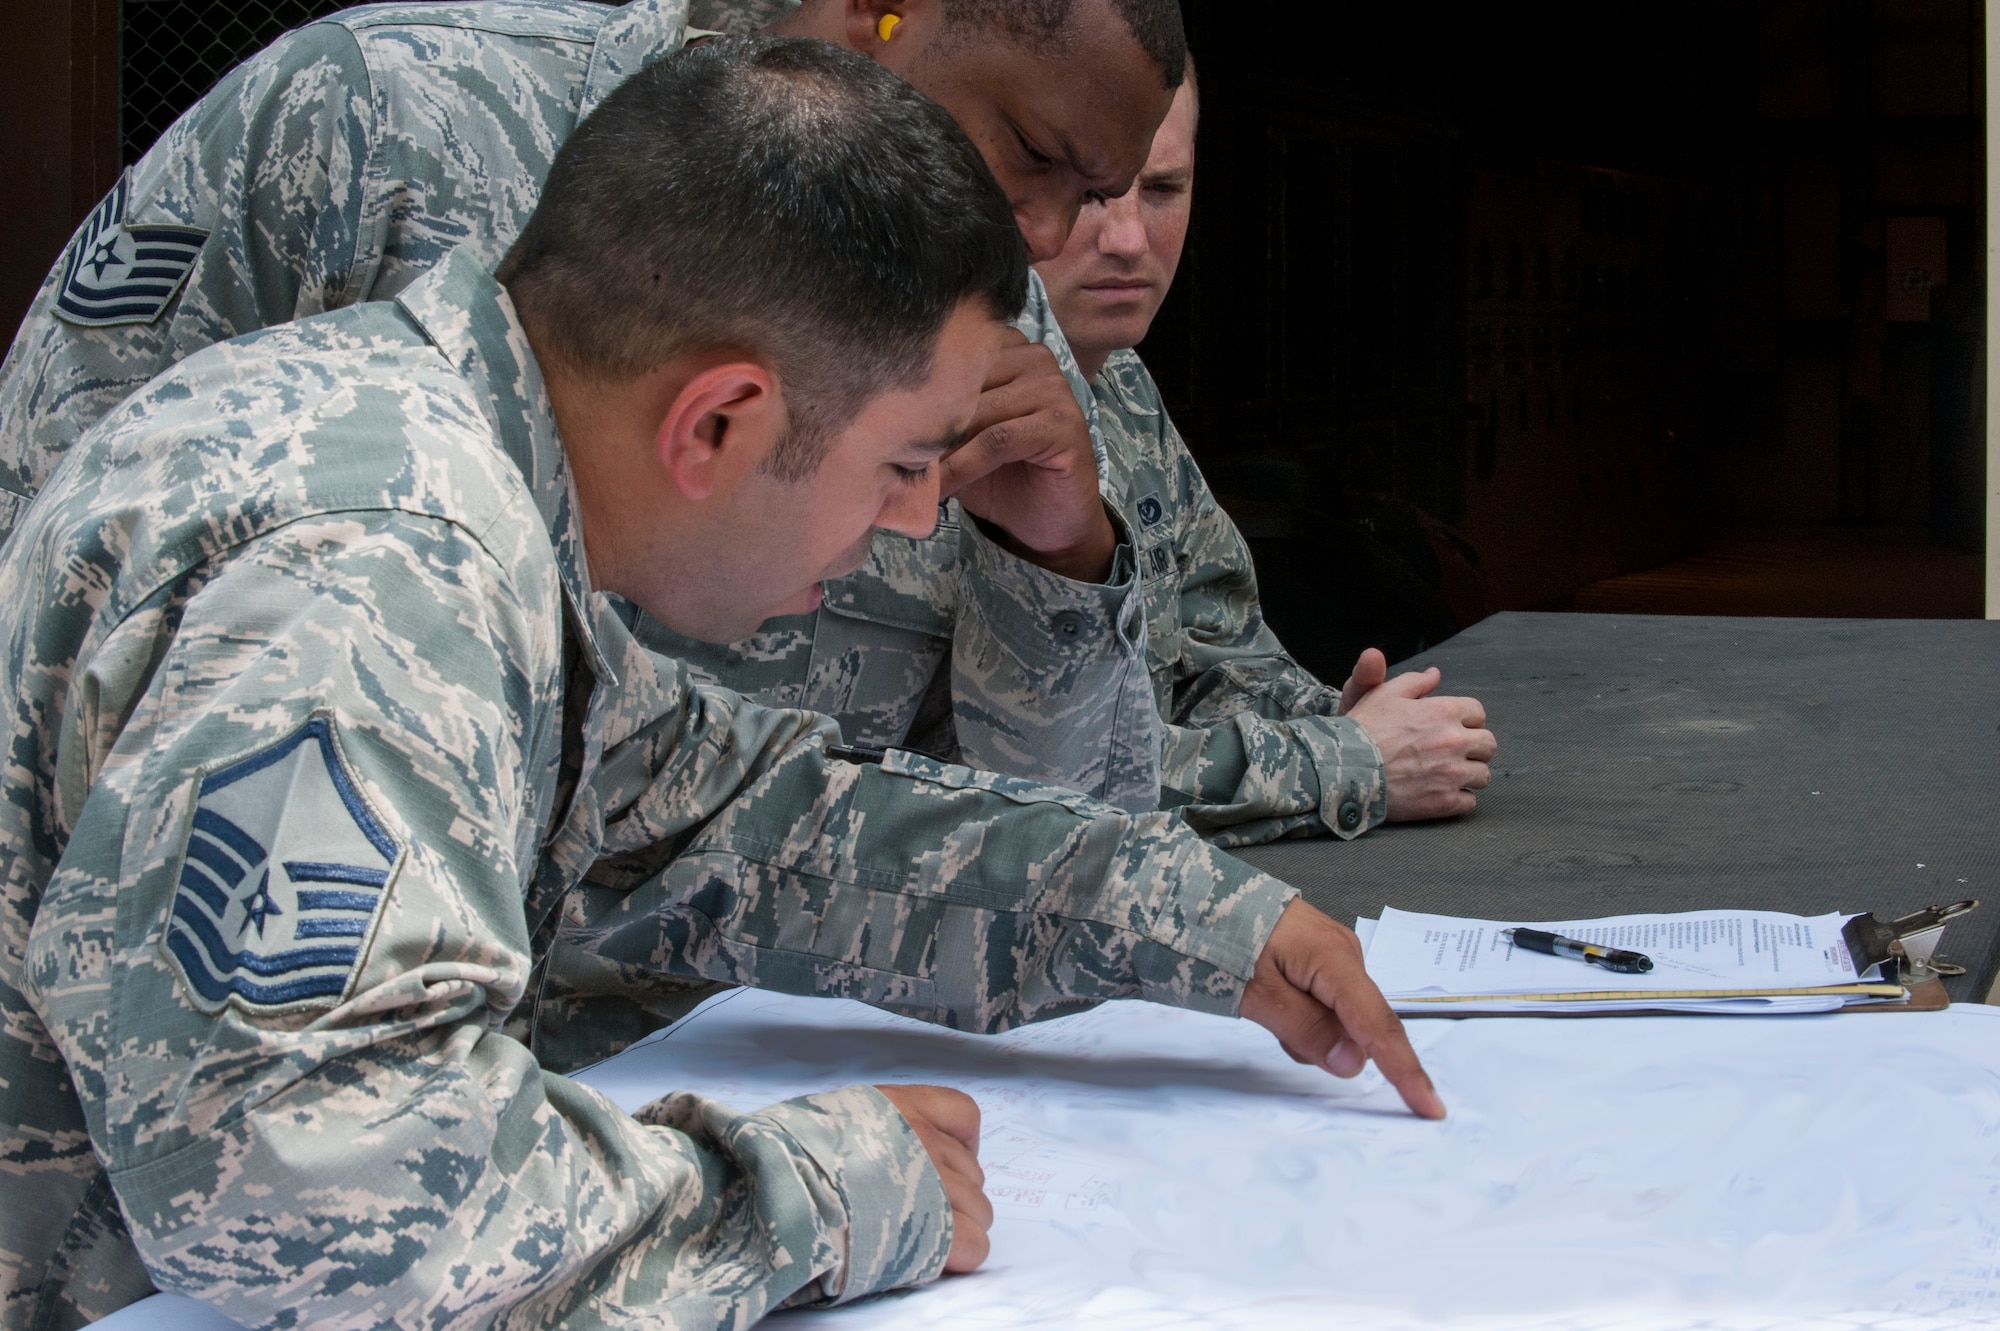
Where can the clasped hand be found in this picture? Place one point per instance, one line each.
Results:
(1435, 750)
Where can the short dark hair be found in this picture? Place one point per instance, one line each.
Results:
(1155, 23)
(772, 195)
(1193, 82)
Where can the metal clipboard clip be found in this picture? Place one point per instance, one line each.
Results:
(1906, 948)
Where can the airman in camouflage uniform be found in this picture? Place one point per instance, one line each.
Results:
(344, 161)
(1255, 746)
(316, 721)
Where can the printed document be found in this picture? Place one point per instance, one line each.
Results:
(1703, 961)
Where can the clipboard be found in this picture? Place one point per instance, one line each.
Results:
(1925, 996)
(1904, 950)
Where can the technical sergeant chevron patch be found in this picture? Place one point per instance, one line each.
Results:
(118, 273)
(283, 875)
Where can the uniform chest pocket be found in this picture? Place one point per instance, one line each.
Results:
(906, 583)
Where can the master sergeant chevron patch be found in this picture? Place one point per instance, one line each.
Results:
(284, 873)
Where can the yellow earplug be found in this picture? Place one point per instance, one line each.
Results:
(887, 27)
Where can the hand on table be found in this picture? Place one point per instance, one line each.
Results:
(1435, 750)
(1028, 468)
(1311, 992)
(947, 1123)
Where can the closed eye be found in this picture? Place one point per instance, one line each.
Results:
(1037, 159)
(912, 476)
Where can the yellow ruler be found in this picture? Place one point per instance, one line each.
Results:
(1644, 995)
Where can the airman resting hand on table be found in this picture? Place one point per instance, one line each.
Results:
(1254, 747)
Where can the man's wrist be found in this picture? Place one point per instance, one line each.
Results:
(1089, 560)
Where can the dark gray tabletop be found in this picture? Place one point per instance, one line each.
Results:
(1660, 763)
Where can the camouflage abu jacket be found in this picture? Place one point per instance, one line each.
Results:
(341, 163)
(314, 724)
(1254, 746)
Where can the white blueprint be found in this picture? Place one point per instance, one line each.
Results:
(1156, 1169)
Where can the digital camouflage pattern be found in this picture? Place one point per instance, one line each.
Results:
(1254, 748)
(352, 539)
(737, 16)
(349, 157)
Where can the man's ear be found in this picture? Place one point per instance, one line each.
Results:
(916, 23)
(719, 427)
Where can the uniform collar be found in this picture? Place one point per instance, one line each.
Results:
(470, 318)
(633, 37)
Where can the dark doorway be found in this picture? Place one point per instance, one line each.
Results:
(1509, 300)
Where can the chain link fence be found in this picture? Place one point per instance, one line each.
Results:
(173, 51)
(176, 50)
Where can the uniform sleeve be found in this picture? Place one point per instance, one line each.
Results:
(740, 852)
(1048, 674)
(282, 936)
(1253, 748)
(267, 173)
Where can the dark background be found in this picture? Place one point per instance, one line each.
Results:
(1597, 285)
(1485, 306)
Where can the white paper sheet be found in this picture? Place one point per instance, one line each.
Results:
(1709, 949)
(1456, 930)
(1157, 1169)
(1411, 954)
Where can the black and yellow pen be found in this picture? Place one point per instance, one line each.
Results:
(1555, 945)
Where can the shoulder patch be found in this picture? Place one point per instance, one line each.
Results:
(123, 274)
(283, 874)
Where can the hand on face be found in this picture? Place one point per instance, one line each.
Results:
(1028, 468)
(1435, 750)
(1311, 991)
(947, 1123)
(706, 532)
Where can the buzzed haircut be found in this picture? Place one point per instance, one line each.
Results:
(772, 196)
(1155, 23)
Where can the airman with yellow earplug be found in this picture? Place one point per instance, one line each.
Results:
(887, 27)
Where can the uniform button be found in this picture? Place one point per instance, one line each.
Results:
(1350, 815)
(1069, 625)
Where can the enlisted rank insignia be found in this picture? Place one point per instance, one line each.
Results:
(1151, 510)
(284, 872)
(123, 274)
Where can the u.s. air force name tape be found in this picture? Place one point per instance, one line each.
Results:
(119, 273)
